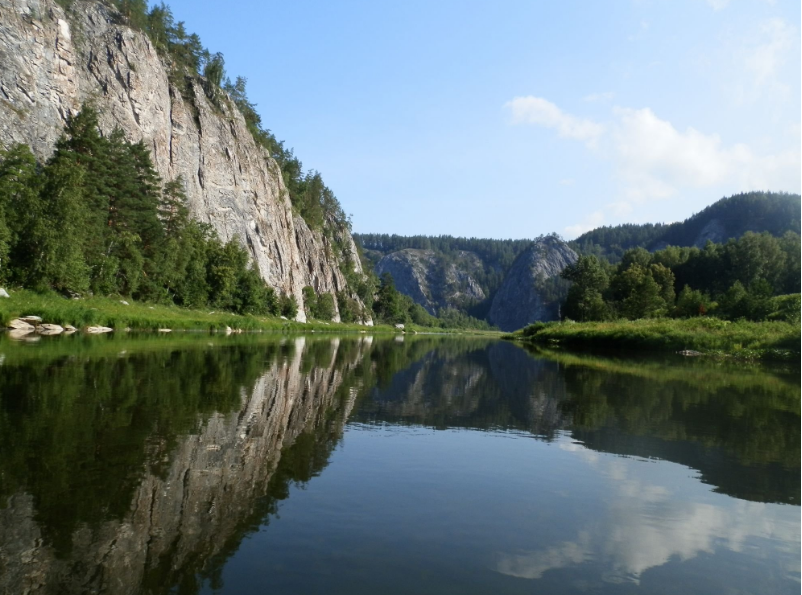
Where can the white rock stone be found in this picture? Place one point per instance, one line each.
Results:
(3, 293)
(19, 324)
(96, 330)
(49, 329)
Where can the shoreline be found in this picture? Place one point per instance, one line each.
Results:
(697, 337)
(118, 315)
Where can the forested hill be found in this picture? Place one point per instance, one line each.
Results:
(773, 212)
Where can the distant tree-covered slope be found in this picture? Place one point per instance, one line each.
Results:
(772, 212)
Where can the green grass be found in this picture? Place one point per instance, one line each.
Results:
(110, 312)
(744, 339)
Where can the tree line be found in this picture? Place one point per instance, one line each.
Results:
(96, 218)
(756, 277)
(774, 212)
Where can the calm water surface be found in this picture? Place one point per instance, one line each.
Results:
(248, 464)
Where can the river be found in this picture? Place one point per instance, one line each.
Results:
(408, 464)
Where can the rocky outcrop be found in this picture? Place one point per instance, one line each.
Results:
(521, 300)
(431, 280)
(52, 62)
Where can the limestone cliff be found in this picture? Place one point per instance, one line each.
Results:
(432, 281)
(524, 295)
(52, 62)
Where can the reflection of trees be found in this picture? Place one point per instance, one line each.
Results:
(146, 471)
(473, 384)
(148, 468)
(738, 426)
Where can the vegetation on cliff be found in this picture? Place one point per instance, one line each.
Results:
(187, 61)
(97, 219)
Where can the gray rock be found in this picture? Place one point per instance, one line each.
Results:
(49, 329)
(431, 282)
(52, 63)
(518, 301)
(18, 324)
(31, 319)
(97, 330)
(713, 231)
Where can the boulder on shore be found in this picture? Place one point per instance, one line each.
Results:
(49, 329)
(96, 330)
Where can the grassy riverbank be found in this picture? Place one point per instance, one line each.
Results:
(111, 312)
(743, 339)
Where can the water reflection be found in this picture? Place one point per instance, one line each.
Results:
(648, 523)
(140, 466)
(135, 473)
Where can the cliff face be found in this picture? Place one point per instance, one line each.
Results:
(520, 300)
(52, 63)
(431, 281)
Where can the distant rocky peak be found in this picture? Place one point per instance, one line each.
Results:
(532, 288)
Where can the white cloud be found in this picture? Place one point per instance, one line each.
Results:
(776, 42)
(594, 97)
(536, 110)
(592, 221)
(653, 160)
(718, 4)
(759, 64)
(641, 33)
(647, 524)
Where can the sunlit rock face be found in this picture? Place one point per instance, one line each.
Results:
(52, 63)
(519, 301)
(196, 499)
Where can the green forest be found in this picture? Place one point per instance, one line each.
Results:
(773, 212)
(97, 219)
(756, 277)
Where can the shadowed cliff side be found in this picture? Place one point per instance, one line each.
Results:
(532, 289)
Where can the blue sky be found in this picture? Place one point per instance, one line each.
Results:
(516, 118)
